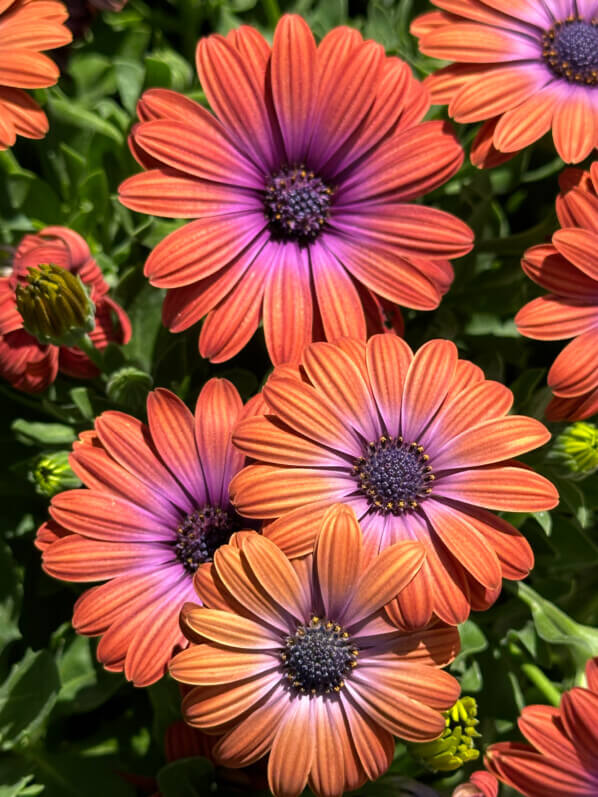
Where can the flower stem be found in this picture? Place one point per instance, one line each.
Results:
(84, 343)
(272, 11)
(537, 677)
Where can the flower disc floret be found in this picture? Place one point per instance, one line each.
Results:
(571, 50)
(297, 203)
(201, 533)
(394, 475)
(318, 656)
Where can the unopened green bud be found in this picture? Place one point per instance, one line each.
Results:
(52, 474)
(456, 745)
(577, 448)
(129, 387)
(55, 305)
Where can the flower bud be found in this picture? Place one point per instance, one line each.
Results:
(577, 448)
(456, 746)
(55, 305)
(52, 474)
(129, 387)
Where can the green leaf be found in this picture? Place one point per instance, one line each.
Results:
(186, 777)
(85, 684)
(557, 628)
(75, 775)
(43, 434)
(75, 114)
(129, 78)
(15, 776)
(11, 593)
(27, 697)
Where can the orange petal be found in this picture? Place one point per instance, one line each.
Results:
(275, 574)
(288, 304)
(292, 751)
(426, 386)
(204, 665)
(216, 412)
(338, 558)
(334, 374)
(385, 577)
(293, 71)
(213, 707)
(388, 360)
(230, 630)
(491, 441)
(252, 738)
(374, 745)
(509, 488)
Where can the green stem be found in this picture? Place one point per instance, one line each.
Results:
(84, 343)
(272, 11)
(31, 404)
(537, 677)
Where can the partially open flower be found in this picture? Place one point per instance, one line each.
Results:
(297, 659)
(55, 305)
(46, 303)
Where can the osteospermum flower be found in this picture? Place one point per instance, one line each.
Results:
(562, 757)
(522, 67)
(420, 446)
(26, 28)
(300, 187)
(296, 659)
(155, 509)
(26, 362)
(568, 268)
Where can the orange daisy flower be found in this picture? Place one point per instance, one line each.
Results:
(420, 446)
(26, 28)
(568, 268)
(300, 186)
(155, 508)
(296, 659)
(562, 757)
(522, 67)
(25, 362)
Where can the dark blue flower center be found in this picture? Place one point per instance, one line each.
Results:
(201, 533)
(571, 50)
(394, 475)
(318, 657)
(297, 203)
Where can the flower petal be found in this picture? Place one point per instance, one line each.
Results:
(230, 630)
(338, 557)
(292, 751)
(508, 488)
(426, 385)
(216, 412)
(171, 425)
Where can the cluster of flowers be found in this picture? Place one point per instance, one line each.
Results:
(302, 562)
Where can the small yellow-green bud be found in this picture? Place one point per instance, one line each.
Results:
(52, 473)
(55, 305)
(456, 745)
(577, 448)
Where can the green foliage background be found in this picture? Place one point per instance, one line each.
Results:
(67, 728)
